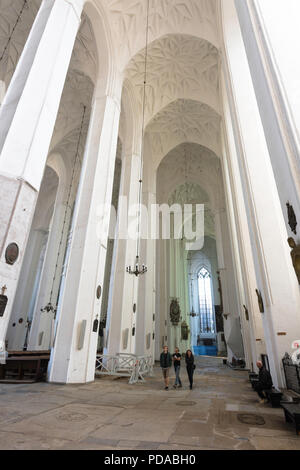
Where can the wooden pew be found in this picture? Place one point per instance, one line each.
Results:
(24, 367)
(274, 396)
(292, 414)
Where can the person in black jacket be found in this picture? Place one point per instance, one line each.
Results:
(190, 366)
(264, 381)
(165, 364)
(177, 363)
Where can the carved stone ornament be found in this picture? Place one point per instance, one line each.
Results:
(11, 253)
(246, 312)
(95, 325)
(184, 331)
(175, 312)
(260, 301)
(295, 255)
(292, 218)
(3, 304)
(98, 292)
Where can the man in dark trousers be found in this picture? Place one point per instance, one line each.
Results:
(165, 364)
(265, 381)
(177, 364)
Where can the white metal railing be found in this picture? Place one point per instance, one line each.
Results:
(125, 365)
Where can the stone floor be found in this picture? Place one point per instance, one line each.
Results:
(221, 412)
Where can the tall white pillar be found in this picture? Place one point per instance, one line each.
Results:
(162, 295)
(232, 306)
(75, 347)
(270, 33)
(254, 341)
(123, 318)
(42, 321)
(27, 119)
(277, 281)
(28, 278)
(147, 286)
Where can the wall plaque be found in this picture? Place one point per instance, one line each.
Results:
(125, 334)
(95, 326)
(260, 301)
(3, 303)
(246, 312)
(148, 340)
(292, 218)
(98, 292)
(175, 312)
(82, 328)
(11, 253)
(184, 331)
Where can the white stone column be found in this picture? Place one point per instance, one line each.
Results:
(146, 294)
(122, 323)
(162, 295)
(28, 277)
(270, 33)
(75, 347)
(246, 276)
(172, 335)
(40, 333)
(232, 306)
(27, 119)
(277, 281)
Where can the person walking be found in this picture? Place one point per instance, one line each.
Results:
(190, 366)
(177, 363)
(165, 364)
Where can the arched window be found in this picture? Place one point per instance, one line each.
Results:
(207, 323)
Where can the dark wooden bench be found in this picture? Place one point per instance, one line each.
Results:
(24, 366)
(274, 396)
(252, 375)
(254, 381)
(292, 414)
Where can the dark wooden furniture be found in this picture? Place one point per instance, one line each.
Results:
(254, 381)
(292, 414)
(24, 366)
(292, 374)
(252, 375)
(274, 396)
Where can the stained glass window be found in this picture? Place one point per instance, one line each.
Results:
(207, 324)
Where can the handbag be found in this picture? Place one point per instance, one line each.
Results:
(194, 366)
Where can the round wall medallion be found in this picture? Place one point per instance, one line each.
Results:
(98, 292)
(11, 253)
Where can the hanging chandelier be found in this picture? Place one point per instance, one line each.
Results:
(141, 269)
(138, 269)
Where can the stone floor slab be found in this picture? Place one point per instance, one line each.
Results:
(110, 414)
(74, 421)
